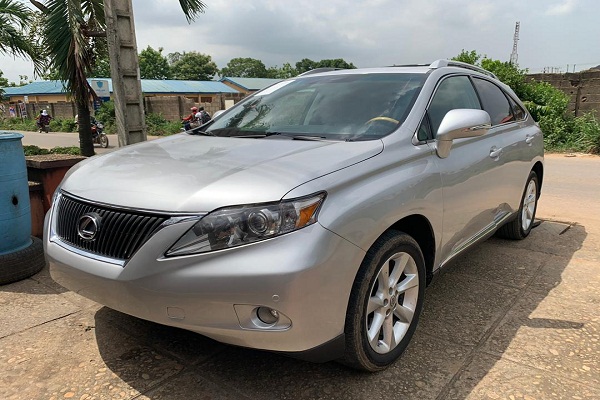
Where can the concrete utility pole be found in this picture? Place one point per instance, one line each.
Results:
(125, 71)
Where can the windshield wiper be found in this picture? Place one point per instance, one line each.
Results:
(199, 132)
(257, 135)
(308, 137)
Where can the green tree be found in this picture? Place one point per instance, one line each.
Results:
(193, 66)
(3, 80)
(305, 65)
(469, 57)
(101, 62)
(153, 65)
(285, 72)
(70, 53)
(335, 63)
(245, 68)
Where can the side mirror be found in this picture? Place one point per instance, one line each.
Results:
(460, 123)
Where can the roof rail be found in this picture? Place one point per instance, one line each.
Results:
(452, 63)
(318, 70)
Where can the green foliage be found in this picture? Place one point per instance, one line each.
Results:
(15, 19)
(307, 64)
(157, 125)
(469, 57)
(193, 66)
(548, 105)
(245, 68)
(31, 150)
(29, 125)
(68, 125)
(18, 124)
(586, 135)
(153, 65)
(3, 80)
(106, 115)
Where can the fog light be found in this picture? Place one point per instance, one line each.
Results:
(267, 315)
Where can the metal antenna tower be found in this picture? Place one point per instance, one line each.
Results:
(514, 56)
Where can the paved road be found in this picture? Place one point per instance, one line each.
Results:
(572, 188)
(508, 320)
(65, 139)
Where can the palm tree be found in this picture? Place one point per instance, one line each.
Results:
(68, 29)
(14, 20)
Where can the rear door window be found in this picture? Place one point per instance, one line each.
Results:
(494, 102)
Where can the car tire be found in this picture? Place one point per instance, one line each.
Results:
(383, 313)
(519, 228)
(22, 264)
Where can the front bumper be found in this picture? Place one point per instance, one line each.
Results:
(306, 276)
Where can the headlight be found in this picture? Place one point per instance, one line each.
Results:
(235, 226)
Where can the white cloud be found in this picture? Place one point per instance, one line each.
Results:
(565, 7)
(368, 32)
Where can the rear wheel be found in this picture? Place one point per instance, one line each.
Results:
(520, 227)
(385, 303)
(103, 141)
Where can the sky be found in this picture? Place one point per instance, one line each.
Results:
(557, 34)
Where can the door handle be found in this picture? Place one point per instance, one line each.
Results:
(495, 153)
(528, 139)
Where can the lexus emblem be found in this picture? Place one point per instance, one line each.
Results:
(88, 226)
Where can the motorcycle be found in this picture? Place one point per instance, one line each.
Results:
(43, 128)
(98, 135)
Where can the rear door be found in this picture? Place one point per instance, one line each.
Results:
(513, 143)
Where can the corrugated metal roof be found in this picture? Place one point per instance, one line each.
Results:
(251, 83)
(148, 86)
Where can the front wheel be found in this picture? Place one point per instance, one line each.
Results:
(520, 227)
(103, 141)
(385, 302)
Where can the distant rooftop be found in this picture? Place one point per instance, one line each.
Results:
(149, 86)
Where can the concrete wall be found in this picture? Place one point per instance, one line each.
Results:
(173, 108)
(582, 87)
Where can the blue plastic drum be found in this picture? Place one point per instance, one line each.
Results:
(15, 214)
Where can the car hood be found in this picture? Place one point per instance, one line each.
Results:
(195, 174)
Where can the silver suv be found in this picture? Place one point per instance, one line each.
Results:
(308, 218)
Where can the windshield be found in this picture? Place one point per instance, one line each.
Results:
(333, 107)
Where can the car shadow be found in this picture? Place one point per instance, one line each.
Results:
(475, 313)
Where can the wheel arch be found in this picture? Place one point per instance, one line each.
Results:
(419, 228)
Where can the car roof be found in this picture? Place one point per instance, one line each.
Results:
(413, 68)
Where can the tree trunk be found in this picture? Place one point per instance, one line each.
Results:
(86, 145)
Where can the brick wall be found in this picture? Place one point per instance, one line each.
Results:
(582, 87)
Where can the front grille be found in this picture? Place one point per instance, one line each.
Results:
(120, 234)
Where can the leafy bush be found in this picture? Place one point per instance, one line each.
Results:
(68, 125)
(586, 136)
(32, 150)
(157, 125)
(29, 125)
